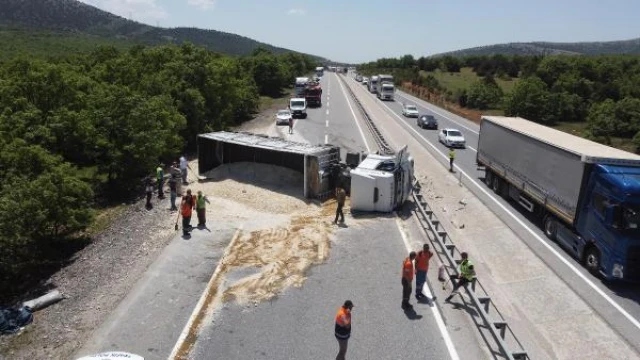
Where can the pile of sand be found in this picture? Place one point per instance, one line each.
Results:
(279, 257)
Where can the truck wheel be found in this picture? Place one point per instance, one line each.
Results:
(592, 259)
(488, 178)
(550, 227)
(497, 185)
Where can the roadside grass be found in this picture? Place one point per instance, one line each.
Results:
(580, 129)
(267, 102)
(104, 218)
(465, 78)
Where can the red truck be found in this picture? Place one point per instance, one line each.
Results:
(313, 94)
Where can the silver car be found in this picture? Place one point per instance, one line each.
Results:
(452, 138)
(282, 117)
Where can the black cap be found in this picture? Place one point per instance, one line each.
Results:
(348, 304)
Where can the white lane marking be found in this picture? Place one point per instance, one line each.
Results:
(436, 311)
(327, 102)
(327, 111)
(327, 123)
(470, 147)
(430, 108)
(355, 118)
(200, 306)
(326, 138)
(588, 281)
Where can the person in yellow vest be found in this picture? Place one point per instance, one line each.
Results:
(160, 180)
(452, 156)
(343, 328)
(467, 274)
(201, 201)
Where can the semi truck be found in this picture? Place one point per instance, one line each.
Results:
(373, 83)
(585, 195)
(313, 94)
(300, 85)
(382, 183)
(387, 91)
(382, 78)
(319, 71)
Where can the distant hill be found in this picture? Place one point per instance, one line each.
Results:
(77, 18)
(550, 48)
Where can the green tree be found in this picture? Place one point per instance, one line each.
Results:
(529, 99)
(602, 121)
(484, 94)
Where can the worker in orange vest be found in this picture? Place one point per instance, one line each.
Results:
(407, 279)
(343, 328)
(422, 266)
(186, 209)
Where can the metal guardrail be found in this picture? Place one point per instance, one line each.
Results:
(499, 328)
(382, 144)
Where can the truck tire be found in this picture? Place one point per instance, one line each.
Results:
(550, 227)
(488, 178)
(592, 259)
(497, 185)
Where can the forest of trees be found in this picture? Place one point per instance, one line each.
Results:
(85, 129)
(602, 91)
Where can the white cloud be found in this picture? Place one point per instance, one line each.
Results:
(138, 10)
(203, 4)
(297, 12)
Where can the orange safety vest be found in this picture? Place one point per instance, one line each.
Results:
(343, 324)
(407, 269)
(187, 206)
(422, 260)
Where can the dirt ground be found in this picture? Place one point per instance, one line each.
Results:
(105, 271)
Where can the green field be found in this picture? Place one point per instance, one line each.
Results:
(464, 79)
(580, 129)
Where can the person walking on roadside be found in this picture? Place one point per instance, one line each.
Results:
(343, 328)
(176, 174)
(184, 165)
(173, 190)
(186, 208)
(422, 266)
(291, 125)
(407, 279)
(160, 180)
(341, 196)
(452, 157)
(467, 274)
(201, 201)
(148, 188)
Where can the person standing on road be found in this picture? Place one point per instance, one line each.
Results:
(291, 125)
(201, 201)
(184, 164)
(341, 196)
(148, 188)
(176, 173)
(160, 180)
(173, 190)
(422, 266)
(186, 208)
(343, 328)
(407, 279)
(452, 157)
(467, 274)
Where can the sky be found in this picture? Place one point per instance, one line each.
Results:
(357, 31)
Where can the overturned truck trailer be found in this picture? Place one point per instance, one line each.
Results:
(315, 162)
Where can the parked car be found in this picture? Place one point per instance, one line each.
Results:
(409, 110)
(365, 80)
(427, 122)
(282, 117)
(452, 138)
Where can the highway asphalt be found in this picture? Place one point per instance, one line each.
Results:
(617, 303)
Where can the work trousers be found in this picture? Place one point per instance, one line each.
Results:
(339, 213)
(186, 225)
(406, 292)
(342, 348)
(160, 188)
(451, 164)
(421, 278)
(460, 283)
(174, 195)
(184, 175)
(148, 205)
(201, 216)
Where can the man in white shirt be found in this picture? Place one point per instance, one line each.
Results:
(184, 164)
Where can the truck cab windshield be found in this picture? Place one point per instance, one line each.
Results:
(297, 104)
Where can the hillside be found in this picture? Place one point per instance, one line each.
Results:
(550, 48)
(71, 17)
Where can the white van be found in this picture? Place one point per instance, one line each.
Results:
(298, 107)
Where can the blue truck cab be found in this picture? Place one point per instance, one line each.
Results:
(608, 221)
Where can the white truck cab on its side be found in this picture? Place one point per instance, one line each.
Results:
(382, 182)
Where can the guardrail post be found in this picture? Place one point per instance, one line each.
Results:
(502, 326)
(486, 301)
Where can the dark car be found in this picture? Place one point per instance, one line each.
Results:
(427, 122)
